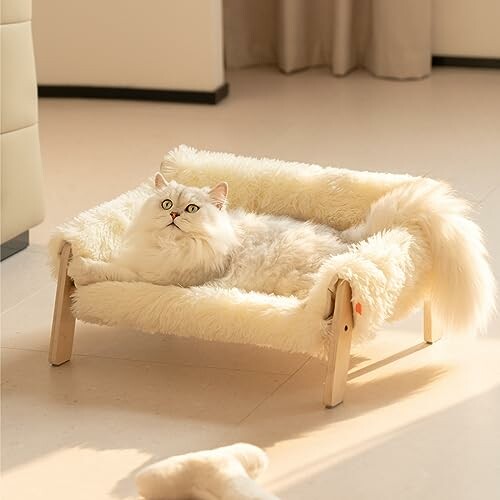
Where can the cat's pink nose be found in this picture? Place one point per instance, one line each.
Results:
(174, 215)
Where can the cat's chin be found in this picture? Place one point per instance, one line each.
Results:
(175, 232)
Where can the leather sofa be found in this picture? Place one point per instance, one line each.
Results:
(22, 205)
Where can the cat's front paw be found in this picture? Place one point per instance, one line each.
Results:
(80, 270)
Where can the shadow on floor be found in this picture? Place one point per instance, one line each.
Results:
(452, 454)
(87, 404)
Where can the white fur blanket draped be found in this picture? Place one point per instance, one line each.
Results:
(415, 241)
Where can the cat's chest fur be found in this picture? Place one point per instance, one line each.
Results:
(163, 261)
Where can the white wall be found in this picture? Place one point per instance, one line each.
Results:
(162, 44)
(469, 28)
(177, 44)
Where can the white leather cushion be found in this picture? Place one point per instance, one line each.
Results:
(15, 11)
(19, 92)
(22, 187)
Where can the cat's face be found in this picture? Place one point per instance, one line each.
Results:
(182, 211)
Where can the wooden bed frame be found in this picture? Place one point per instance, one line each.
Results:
(63, 330)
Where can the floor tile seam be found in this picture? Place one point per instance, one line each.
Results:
(30, 296)
(276, 389)
(160, 363)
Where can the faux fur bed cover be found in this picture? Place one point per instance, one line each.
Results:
(412, 241)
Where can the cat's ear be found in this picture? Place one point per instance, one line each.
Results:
(160, 181)
(218, 195)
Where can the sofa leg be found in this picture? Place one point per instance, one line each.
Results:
(339, 349)
(431, 334)
(63, 322)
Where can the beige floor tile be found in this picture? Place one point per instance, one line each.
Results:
(417, 422)
(23, 274)
(84, 428)
(488, 219)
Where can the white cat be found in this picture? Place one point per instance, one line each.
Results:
(185, 236)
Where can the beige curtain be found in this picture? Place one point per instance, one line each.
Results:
(390, 38)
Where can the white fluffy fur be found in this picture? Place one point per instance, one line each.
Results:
(451, 263)
(417, 243)
(229, 249)
(169, 246)
(225, 473)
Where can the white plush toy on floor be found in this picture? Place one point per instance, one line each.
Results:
(225, 473)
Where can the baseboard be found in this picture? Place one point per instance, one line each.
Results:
(136, 94)
(14, 245)
(468, 62)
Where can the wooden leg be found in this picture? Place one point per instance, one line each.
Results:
(431, 334)
(340, 346)
(63, 322)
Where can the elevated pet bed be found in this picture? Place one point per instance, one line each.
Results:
(418, 247)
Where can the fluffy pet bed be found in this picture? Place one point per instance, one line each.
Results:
(414, 244)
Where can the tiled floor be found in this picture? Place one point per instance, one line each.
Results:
(418, 422)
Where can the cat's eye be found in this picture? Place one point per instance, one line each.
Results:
(166, 204)
(192, 208)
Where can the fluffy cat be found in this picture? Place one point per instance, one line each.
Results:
(185, 236)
